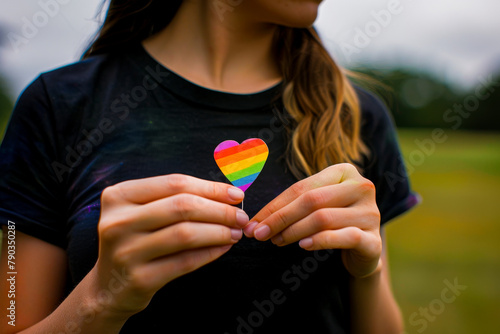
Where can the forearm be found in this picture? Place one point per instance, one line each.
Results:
(374, 309)
(83, 311)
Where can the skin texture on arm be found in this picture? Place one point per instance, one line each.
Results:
(39, 283)
(39, 290)
(374, 309)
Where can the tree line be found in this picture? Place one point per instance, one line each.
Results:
(417, 99)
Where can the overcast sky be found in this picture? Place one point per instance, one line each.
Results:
(458, 40)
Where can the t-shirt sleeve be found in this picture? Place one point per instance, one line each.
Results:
(385, 166)
(29, 188)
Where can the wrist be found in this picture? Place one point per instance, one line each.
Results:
(100, 302)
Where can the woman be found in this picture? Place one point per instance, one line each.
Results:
(124, 222)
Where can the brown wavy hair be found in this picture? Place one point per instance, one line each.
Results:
(319, 98)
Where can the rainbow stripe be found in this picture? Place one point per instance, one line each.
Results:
(241, 163)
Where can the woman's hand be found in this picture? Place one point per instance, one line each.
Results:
(154, 230)
(333, 209)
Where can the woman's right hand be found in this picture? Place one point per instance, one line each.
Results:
(154, 230)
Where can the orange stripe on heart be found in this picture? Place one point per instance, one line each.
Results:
(241, 163)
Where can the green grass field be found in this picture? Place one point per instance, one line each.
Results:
(453, 234)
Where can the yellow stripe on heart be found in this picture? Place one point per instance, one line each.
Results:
(242, 164)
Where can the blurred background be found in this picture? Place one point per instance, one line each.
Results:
(440, 63)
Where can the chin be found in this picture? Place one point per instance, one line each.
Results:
(302, 22)
(305, 16)
(289, 13)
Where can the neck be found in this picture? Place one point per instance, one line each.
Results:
(218, 50)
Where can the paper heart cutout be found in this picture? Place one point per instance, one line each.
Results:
(241, 163)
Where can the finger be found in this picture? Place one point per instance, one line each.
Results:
(361, 253)
(332, 175)
(178, 238)
(154, 275)
(334, 196)
(249, 229)
(324, 220)
(365, 243)
(154, 188)
(184, 207)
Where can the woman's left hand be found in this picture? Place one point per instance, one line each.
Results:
(333, 209)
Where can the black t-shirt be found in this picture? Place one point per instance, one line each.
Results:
(87, 126)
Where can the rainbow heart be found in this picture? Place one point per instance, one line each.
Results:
(241, 163)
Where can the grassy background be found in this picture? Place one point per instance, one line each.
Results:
(454, 233)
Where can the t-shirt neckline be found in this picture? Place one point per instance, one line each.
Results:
(200, 95)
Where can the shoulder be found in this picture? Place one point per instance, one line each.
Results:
(370, 102)
(384, 164)
(377, 124)
(76, 78)
(378, 133)
(72, 92)
(59, 102)
(80, 69)
(374, 112)
(81, 78)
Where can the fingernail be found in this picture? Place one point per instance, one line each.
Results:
(262, 232)
(277, 240)
(236, 194)
(306, 243)
(236, 234)
(241, 218)
(249, 229)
